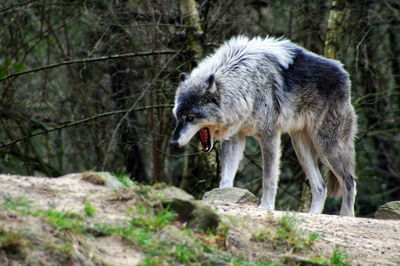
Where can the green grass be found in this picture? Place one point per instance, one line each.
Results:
(19, 204)
(184, 254)
(123, 178)
(12, 243)
(285, 236)
(148, 217)
(90, 211)
(339, 258)
(64, 221)
(292, 238)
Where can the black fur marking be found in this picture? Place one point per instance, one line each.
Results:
(177, 132)
(191, 103)
(210, 80)
(311, 71)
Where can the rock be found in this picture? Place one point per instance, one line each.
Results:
(299, 260)
(197, 217)
(203, 219)
(233, 194)
(72, 176)
(390, 210)
(183, 208)
(172, 236)
(106, 179)
(169, 193)
(216, 259)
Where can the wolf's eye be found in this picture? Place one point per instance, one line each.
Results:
(189, 118)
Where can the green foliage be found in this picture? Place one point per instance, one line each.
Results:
(291, 236)
(89, 209)
(339, 258)
(286, 236)
(184, 254)
(65, 221)
(19, 204)
(151, 220)
(147, 218)
(151, 261)
(123, 178)
(263, 235)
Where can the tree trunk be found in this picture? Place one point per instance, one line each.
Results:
(194, 32)
(196, 171)
(334, 31)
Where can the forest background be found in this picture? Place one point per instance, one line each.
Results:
(89, 85)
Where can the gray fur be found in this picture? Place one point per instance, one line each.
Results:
(263, 88)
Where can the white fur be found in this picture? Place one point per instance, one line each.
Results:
(187, 134)
(241, 46)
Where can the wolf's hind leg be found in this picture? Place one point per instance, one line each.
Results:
(270, 147)
(232, 153)
(340, 163)
(308, 159)
(336, 141)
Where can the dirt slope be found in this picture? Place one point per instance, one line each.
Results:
(69, 194)
(367, 241)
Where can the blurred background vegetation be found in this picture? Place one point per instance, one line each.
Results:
(89, 85)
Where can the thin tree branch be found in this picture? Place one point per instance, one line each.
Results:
(89, 60)
(16, 5)
(84, 120)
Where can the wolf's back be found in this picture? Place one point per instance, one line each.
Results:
(241, 54)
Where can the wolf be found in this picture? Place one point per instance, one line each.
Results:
(264, 87)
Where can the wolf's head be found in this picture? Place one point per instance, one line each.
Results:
(196, 110)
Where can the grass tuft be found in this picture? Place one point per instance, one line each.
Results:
(12, 243)
(19, 204)
(339, 258)
(65, 221)
(90, 211)
(147, 230)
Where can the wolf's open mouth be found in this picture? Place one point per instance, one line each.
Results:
(205, 139)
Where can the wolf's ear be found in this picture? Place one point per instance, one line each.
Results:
(183, 77)
(212, 87)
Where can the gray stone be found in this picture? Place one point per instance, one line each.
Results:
(203, 219)
(172, 236)
(215, 259)
(233, 194)
(184, 208)
(105, 179)
(170, 193)
(390, 210)
(196, 216)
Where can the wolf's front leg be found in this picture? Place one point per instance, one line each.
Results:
(270, 147)
(232, 153)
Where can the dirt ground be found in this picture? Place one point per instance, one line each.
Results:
(367, 241)
(69, 194)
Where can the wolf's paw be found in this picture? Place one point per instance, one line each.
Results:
(267, 208)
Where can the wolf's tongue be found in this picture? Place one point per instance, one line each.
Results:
(204, 138)
(204, 135)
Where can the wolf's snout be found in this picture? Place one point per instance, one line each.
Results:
(174, 143)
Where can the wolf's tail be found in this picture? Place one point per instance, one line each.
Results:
(334, 188)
